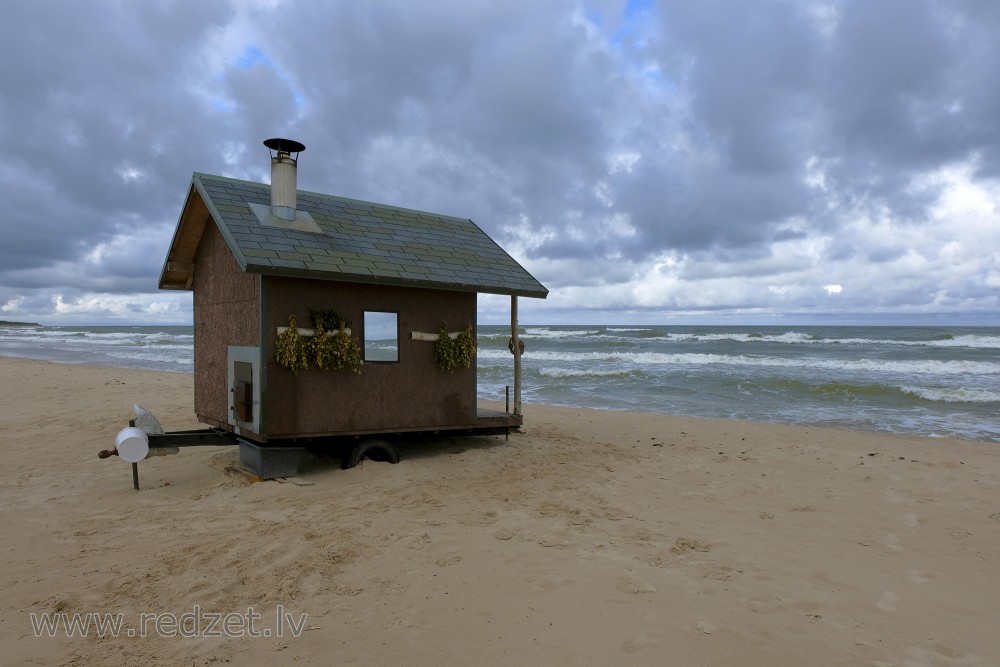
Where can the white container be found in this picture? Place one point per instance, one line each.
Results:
(132, 444)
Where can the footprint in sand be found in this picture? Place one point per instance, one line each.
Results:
(888, 602)
(892, 542)
(911, 520)
(722, 574)
(634, 586)
(449, 558)
(917, 577)
(683, 545)
(553, 541)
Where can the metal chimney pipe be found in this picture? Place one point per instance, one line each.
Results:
(284, 184)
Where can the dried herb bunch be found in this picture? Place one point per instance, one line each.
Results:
(328, 320)
(335, 350)
(328, 349)
(453, 353)
(293, 350)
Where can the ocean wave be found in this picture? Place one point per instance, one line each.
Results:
(946, 340)
(936, 394)
(953, 394)
(786, 386)
(977, 341)
(969, 341)
(167, 359)
(117, 339)
(624, 329)
(38, 335)
(557, 333)
(844, 388)
(139, 337)
(750, 337)
(585, 372)
(492, 335)
(918, 366)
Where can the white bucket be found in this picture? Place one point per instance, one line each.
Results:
(132, 444)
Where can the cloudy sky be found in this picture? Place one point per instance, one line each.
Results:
(649, 161)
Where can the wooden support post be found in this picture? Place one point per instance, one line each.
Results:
(135, 466)
(517, 354)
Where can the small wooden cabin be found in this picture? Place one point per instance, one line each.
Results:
(255, 254)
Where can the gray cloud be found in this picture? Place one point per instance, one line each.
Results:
(641, 158)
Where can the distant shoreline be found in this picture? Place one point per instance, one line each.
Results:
(5, 323)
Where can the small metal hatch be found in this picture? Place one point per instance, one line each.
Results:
(243, 386)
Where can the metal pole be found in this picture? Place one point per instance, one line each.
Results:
(517, 354)
(135, 476)
(506, 393)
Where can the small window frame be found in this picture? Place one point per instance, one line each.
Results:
(379, 326)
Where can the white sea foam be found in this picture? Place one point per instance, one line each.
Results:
(968, 341)
(953, 394)
(800, 338)
(789, 337)
(582, 372)
(976, 341)
(920, 366)
(985, 342)
(556, 333)
(100, 337)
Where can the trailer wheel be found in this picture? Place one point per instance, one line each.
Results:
(374, 449)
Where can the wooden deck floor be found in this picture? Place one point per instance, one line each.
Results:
(496, 418)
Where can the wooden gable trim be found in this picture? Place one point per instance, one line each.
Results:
(178, 270)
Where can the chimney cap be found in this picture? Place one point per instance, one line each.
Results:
(284, 145)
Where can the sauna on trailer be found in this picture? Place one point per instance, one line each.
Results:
(318, 322)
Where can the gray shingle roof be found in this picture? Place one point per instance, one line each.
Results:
(359, 242)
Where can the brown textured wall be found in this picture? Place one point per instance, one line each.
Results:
(408, 395)
(226, 312)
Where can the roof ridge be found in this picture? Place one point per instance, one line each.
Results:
(328, 196)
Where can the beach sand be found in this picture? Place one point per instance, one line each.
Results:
(592, 538)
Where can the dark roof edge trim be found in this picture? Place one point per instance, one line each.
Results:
(381, 280)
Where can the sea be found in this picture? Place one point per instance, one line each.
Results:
(930, 381)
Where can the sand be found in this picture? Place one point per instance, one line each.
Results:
(592, 538)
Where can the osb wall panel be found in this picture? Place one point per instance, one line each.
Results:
(226, 312)
(412, 393)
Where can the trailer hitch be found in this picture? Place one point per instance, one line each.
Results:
(144, 437)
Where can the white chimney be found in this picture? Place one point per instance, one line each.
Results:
(283, 178)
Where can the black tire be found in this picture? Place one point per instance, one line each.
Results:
(374, 449)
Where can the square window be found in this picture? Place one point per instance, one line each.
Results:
(381, 336)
